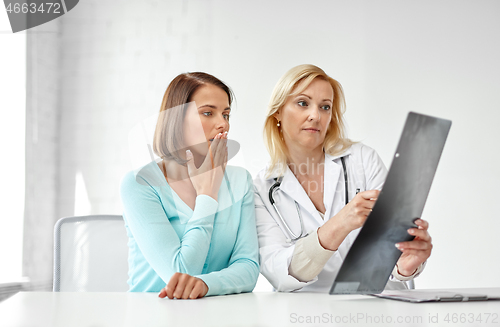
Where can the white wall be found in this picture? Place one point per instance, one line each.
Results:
(12, 139)
(42, 165)
(434, 57)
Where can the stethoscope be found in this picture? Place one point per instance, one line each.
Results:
(293, 236)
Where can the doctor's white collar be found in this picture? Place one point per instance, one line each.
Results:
(275, 173)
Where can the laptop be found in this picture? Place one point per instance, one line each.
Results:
(372, 257)
(421, 296)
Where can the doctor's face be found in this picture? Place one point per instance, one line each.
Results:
(305, 117)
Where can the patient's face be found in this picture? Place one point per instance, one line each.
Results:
(206, 116)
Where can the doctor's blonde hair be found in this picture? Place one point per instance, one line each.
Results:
(335, 139)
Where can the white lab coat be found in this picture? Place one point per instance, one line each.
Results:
(365, 170)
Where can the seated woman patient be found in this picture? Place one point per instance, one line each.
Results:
(189, 218)
(305, 235)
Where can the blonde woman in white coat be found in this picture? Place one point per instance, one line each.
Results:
(304, 134)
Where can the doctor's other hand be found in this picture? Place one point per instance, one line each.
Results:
(208, 177)
(352, 216)
(415, 252)
(184, 286)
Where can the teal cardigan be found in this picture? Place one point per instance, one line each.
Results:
(217, 242)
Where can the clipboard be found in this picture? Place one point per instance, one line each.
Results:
(418, 296)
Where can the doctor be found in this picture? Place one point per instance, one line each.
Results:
(318, 189)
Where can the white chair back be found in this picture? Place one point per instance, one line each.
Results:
(90, 254)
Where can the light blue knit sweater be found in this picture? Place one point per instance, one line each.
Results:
(217, 242)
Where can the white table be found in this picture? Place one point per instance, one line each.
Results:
(251, 309)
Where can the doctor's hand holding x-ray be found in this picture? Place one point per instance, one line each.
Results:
(353, 216)
(318, 189)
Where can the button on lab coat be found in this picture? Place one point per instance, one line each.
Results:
(365, 171)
